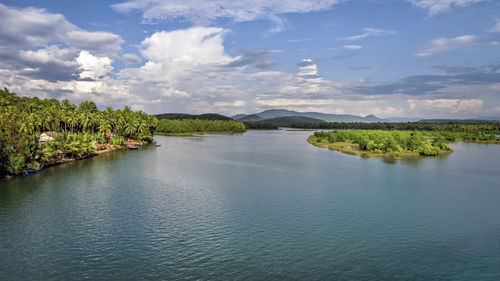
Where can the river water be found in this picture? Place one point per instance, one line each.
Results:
(263, 205)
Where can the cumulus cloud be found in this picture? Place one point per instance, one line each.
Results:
(31, 27)
(439, 6)
(93, 67)
(369, 32)
(51, 63)
(180, 54)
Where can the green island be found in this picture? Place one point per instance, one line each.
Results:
(396, 143)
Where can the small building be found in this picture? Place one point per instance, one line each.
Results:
(45, 137)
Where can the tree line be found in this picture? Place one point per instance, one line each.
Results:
(451, 126)
(75, 129)
(167, 126)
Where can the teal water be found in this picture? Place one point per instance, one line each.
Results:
(263, 205)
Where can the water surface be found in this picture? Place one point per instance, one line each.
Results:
(264, 205)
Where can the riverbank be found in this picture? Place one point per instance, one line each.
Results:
(197, 133)
(63, 160)
(348, 147)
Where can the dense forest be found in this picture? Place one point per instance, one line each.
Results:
(260, 126)
(451, 126)
(71, 131)
(428, 143)
(166, 126)
(182, 116)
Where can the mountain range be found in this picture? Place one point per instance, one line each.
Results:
(315, 116)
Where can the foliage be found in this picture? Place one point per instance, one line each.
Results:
(472, 126)
(427, 143)
(75, 128)
(118, 141)
(196, 125)
(260, 126)
(181, 116)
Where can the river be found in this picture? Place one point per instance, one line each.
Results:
(263, 205)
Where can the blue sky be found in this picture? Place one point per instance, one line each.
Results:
(394, 58)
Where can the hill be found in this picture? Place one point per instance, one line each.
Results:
(251, 118)
(275, 113)
(182, 116)
(289, 121)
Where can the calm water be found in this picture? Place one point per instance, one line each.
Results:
(256, 206)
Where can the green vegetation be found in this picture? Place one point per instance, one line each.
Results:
(182, 116)
(189, 126)
(451, 126)
(396, 143)
(260, 126)
(72, 130)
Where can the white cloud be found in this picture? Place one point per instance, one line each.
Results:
(173, 57)
(353, 47)
(445, 107)
(439, 6)
(448, 44)
(130, 58)
(197, 45)
(369, 32)
(51, 54)
(32, 27)
(203, 12)
(93, 67)
(237, 103)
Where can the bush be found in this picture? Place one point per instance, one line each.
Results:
(377, 141)
(118, 141)
(428, 150)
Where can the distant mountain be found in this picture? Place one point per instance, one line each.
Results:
(274, 113)
(238, 116)
(251, 118)
(494, 118)
(288, 121)
(181, 116)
